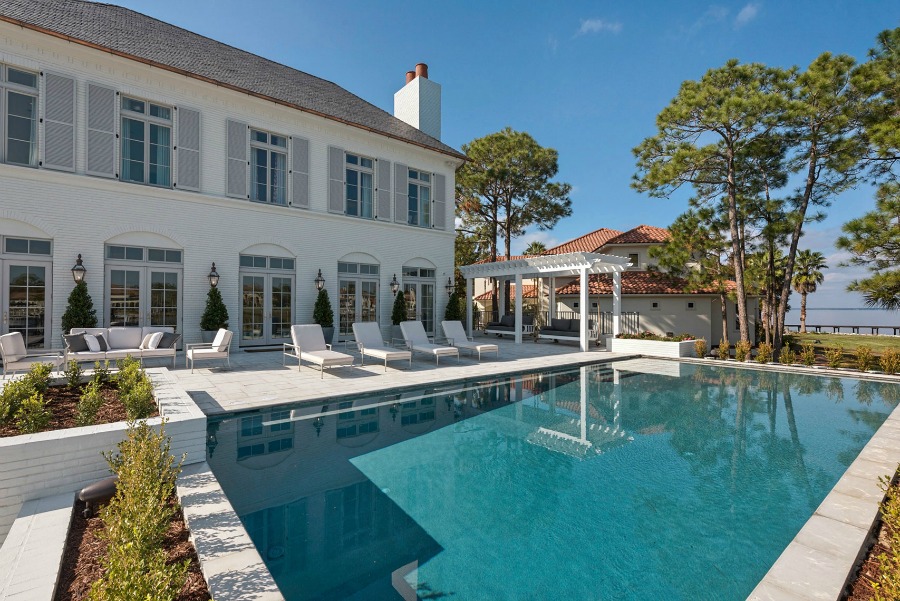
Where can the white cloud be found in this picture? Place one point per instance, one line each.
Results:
(746, 14)
(598, 26)
(714, 14)
(552, 43)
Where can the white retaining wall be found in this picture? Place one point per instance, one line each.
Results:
(652, 348)
(52, 463)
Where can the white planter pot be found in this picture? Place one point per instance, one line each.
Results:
(653, 348)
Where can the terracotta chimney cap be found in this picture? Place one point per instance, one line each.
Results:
(422, 70)
(410, 75)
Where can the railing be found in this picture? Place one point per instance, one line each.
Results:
(629, 321)
(842, 329)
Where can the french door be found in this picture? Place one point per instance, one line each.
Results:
(143, 296)
(266, 308)
(358, 302)
(420, 303)
(26, 297)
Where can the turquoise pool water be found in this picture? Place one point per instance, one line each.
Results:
(600, 482)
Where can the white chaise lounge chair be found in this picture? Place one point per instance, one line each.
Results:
(308, 344)
(16, 357)
(219, 348)
(369, 342)
(418, 342)
(456, 336)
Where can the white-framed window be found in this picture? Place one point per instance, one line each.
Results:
(27, 246)
(268, 167)
(144, 286)
(146, 142)
(419, 198)
(359, 186)
(635, 261)
(19, 108)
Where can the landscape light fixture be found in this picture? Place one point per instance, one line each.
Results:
(395, 285)
(78, 270)
(213, 276)
(450, 286)
(320, 281)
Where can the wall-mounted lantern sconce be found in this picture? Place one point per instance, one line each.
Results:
(213, 276)
(450, 287)
(320, 281)
(395, 285)
(78, 271)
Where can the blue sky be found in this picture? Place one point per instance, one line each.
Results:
(586, 78)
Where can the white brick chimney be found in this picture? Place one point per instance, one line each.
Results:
(419, 102)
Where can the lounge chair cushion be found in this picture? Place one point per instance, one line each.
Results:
(75, 343)
(327, 357)
(13, 347)
(559, 324)
(508, 320)
(220, 342)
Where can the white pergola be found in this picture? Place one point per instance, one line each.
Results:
(578, 264)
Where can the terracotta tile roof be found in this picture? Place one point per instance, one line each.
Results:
(635, 282)
(588, 243)
(528, 291)
(131, 34)
(501, 258)
(642, 234)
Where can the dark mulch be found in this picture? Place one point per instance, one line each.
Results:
(63, 404)
(85, 550)
(861, 589)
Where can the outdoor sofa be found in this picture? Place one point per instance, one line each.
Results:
(507, 325)
(119, 342)
(567, 329)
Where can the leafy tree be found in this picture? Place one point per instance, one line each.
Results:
(536, 247)
(807, 277)
(697, 252)
(874, 242)
(322, 313)
(506, 187)
(80, 312)
(398, 313)
(467, 250)
(703, 135)
(215, 315)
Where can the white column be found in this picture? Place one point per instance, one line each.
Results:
(518, 308)
(585, 344)
(501, 298)
(470, 293)
(617, 302)
(551, 307)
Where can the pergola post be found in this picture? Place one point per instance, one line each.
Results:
(585, 343)
(470, 292)
(617, 302)
(518, 308)
(501, 297)
(551, 306)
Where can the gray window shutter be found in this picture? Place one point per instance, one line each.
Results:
(439, 196)
(300, 172)
(59, 122)
(188, 151)
(383, 182)
(237, 146)
(401, 193)
(101, 131)
(335, 179)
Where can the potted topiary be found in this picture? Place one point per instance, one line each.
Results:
(398, 314)
(454, 310)
(80, 312)
(215, 315)
(323, 315)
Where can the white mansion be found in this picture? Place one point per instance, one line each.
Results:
(154, 152)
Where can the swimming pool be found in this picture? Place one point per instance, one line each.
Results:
(627, 480)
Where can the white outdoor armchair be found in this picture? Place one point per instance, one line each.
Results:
(369, 342)
(16, 356)
(418, 342)
(219, 348)
(308, 344)
(456, 336)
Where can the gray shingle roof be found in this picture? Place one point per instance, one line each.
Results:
(146, 39)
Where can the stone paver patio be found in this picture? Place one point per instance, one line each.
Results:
(258, 379)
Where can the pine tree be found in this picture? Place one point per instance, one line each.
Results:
(80, 312)
(322, 313)
(215, 315)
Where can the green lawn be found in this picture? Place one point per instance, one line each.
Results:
(848, 341)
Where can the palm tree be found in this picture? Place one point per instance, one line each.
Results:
(536, 248)
(807, 277)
